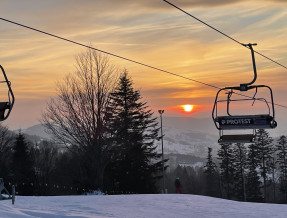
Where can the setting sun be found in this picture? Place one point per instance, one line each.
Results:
(188, 107)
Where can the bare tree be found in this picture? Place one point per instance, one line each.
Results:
(78, 116)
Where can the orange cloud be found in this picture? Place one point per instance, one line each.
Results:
(150, 32)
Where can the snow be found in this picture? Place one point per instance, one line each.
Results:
(197, 164)
(137, 206)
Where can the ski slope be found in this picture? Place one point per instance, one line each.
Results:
(137, 206)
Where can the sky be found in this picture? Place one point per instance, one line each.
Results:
(141, 206)
(148, 31)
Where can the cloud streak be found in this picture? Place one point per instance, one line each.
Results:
(150, 32)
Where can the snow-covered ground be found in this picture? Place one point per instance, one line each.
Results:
(136, 206)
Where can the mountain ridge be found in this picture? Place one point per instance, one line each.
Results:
(181, 135)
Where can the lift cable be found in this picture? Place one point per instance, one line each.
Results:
(120, 57)
(108, 53)
(222, 33)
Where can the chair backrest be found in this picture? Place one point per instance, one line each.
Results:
(264, 121)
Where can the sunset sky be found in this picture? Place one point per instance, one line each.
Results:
(151, 32)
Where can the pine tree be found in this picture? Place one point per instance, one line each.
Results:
(211, 175)
(264, 145)
(22, 165)
(253, 182)
(273, 168)
(225, 154)
(134, 132)
(282, 162)
(239, 172)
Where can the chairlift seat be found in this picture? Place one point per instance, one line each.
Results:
(246, 138)
(263, 121)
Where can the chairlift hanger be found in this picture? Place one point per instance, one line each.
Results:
(6, 106)
(243, 122)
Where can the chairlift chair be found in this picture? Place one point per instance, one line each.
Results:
(6, 106)
(243, 122)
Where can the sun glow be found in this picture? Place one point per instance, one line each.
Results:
(187, 107)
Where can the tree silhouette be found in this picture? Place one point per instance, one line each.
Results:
(77, 117)
(253, 182)
(211, 175)
(239, 171)
(134, 131)
(225, 154)
(264, 147)
(22, 165)
(282, 162)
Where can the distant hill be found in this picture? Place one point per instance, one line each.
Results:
(203, 125)
(188, 136)
(182, 135)
(38, 131)
(175, 160)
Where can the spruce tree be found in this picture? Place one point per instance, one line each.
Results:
(6, 144)
(134, 131)
(253, 183)
(264, 145)
(211, 175)
(282, 163)
(239, 171)
(22, 165)
(273, 168)
(225, 154)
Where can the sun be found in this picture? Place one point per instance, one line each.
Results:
(187, 107)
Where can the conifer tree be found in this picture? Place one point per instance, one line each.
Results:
(282, 162)
(239, 172)
(253, 182)
(225, 154)
(22, 165)
(134, 132)
(211, 177)
(264, 146)
(6, 144)
(273, 168)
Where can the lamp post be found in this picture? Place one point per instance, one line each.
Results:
(163, 176)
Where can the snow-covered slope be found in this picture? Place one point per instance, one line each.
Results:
(132, 206)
